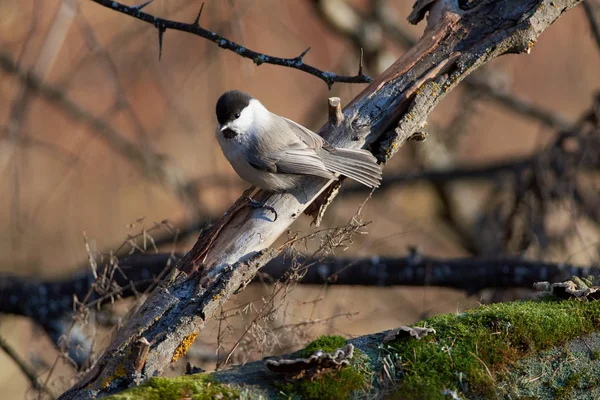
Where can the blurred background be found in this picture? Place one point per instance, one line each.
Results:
(106, 142)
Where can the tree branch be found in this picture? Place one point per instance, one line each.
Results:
(230, 253)
(45, 301)
(258, 58)
(390, 23)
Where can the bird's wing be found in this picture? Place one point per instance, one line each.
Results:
(301, 162)
(357, 164)
(293, 154)
(308, 137)
(292, 161)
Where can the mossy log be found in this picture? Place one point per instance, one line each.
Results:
(544, 349)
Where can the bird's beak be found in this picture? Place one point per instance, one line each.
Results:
(224, 127)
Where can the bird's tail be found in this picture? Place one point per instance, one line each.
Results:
(359, 165)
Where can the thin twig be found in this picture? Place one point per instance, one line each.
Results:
(258, 58)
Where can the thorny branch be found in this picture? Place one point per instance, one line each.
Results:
(258, 58)
(456, 42)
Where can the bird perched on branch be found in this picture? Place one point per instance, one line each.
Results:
(273, 152)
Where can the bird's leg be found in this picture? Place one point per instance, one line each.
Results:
(259, 204)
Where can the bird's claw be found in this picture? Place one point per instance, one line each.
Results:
(261, 204)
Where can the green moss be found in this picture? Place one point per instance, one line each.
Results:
(196, 387)
(472, 350)
(326, 343)
(330, 385)
(572, 382)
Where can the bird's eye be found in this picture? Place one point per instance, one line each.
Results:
(237, 115)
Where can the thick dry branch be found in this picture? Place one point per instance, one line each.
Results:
(150, 165)
(381, 118)
(298, 63)
(366, 32)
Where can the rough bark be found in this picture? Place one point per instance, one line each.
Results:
(381, 118)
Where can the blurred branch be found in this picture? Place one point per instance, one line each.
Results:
(25, 369)
(384, 116)
(581, 152)
(51, 303)
(151, 165)
(592, 10)
(258, 58)
(45, 300)
(518, 105)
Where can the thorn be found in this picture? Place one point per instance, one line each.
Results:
(142, 5)
(301, 56)
(161, 31)
(197, 20)
(360, 62)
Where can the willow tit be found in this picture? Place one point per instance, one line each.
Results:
(273, 152)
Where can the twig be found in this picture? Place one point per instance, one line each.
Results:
(258, 58)
(27, 371)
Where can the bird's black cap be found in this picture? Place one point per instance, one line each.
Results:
(231, 103)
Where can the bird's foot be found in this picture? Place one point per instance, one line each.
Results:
(261, 204)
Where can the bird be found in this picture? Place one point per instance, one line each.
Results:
(274, 153)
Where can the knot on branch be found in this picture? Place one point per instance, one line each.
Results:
(318, 362)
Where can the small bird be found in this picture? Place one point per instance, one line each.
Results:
(273, 153)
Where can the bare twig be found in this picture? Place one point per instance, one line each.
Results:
(259, 58)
